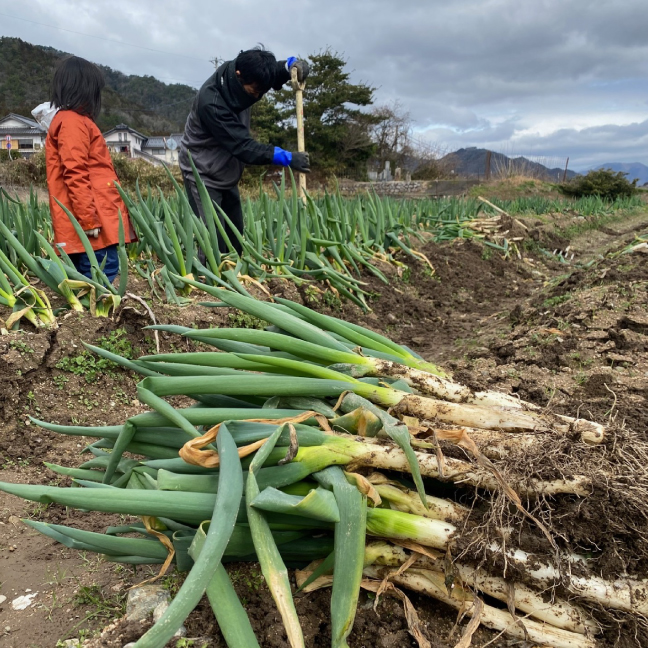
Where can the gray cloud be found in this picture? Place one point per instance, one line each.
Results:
(551, 77)
(586, 147)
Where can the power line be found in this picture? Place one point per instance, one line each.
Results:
(108, 40)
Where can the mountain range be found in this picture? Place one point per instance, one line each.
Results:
(471, 162)
(633, 169)
(142, 102)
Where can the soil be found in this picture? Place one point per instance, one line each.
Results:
(571, 337)
(436, 314)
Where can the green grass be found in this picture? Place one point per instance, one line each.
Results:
(312, 294)
(184, 642)
(172, 581)
(591, 206)
(251, 578)
(598, 220)
(332, 300)
(105, 606)
(243, 320)
(20, 346)
(406, 274)
(555, 301)
(7, 464)
(89, 366)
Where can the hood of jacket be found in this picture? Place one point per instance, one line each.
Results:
(231, 89)
(44, 113)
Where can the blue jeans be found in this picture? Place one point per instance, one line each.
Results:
(111, 269)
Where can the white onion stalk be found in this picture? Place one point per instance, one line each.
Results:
(423, 381)
(499, 399)
(443, 388)
(623, 594)
(590, 432)
(385, 523)
(462, 413)
(342, 450)
(447, 390)
(493, 444)
(559, 613)
(432, 583)
(434, 385)
(407, 501)
(498, 445)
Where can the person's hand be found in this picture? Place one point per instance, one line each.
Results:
(93, 233)
(303, 70)
(300, 162)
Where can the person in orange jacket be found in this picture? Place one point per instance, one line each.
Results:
(80, 173)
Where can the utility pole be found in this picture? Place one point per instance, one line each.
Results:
(565, 174)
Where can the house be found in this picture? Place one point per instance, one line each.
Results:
(127, 141)
(164, 148)
(21, 135)
(25, 136)
(155, 150)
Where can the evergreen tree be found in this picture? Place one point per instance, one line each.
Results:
(337, 132)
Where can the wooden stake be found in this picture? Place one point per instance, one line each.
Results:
(495, 207)
(301, 145)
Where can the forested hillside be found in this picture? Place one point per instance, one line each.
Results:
(142, 102)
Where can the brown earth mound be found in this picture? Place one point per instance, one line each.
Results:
(433, 313)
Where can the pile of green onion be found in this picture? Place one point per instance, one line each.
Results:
(289, 457)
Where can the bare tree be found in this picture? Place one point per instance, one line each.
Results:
(358, 137)
(394, 141)
(391, 134)
(431, 161)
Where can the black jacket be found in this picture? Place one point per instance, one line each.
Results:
(217, 132)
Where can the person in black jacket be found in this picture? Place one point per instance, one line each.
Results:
(217, 132)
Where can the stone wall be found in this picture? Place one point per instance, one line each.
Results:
(415, 188)
(385, 188)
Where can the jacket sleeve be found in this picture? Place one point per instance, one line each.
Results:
(282, 75)
(74, 152)
(231, 133)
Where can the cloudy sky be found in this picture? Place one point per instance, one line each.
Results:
(546, 79)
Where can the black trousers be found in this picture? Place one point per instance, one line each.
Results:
(229, 201)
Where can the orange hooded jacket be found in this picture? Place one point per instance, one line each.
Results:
(81, 176)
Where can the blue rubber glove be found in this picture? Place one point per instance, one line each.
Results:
(303, 69)
(281, 157)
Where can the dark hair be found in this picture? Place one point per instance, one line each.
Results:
(257, 67)
(77, 86)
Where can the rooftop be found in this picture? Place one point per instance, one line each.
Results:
(154, 142)
(20, 131)
(123, 127)
(27, 121)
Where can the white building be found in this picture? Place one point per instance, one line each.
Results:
(155, 150)
(24, 136)
(164, 148)
(21, 135)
